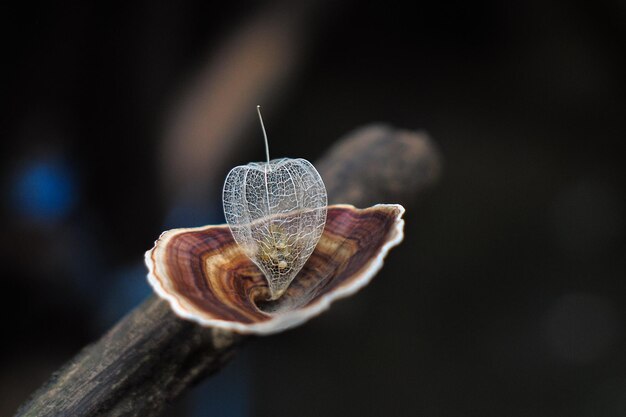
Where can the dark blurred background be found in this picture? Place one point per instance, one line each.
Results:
(507, 296)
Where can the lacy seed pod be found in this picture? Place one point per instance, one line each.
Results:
(276, 211)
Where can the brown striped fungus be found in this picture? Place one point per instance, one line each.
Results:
(283, 257)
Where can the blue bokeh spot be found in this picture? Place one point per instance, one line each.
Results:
(44, 190)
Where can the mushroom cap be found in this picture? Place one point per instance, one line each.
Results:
(207, 278)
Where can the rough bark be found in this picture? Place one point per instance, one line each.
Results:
(152, 356)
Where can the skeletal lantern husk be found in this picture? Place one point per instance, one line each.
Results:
(206, 277)
(276, 212)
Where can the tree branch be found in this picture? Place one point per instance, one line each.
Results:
(151, 356)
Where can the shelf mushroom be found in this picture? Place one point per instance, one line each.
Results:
(207, 278)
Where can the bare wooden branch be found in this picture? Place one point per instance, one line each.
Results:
(151, 356)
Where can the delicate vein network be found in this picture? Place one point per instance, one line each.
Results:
(276, 212)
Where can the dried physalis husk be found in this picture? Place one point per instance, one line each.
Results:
(276, 211)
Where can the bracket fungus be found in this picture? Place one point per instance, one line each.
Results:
(283, 257)
(206, 276)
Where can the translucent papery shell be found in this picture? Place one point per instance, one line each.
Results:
(206, 277)
(276, 212)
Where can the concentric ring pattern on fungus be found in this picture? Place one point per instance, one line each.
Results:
(205, 276)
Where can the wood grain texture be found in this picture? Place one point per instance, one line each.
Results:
(151, 356)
